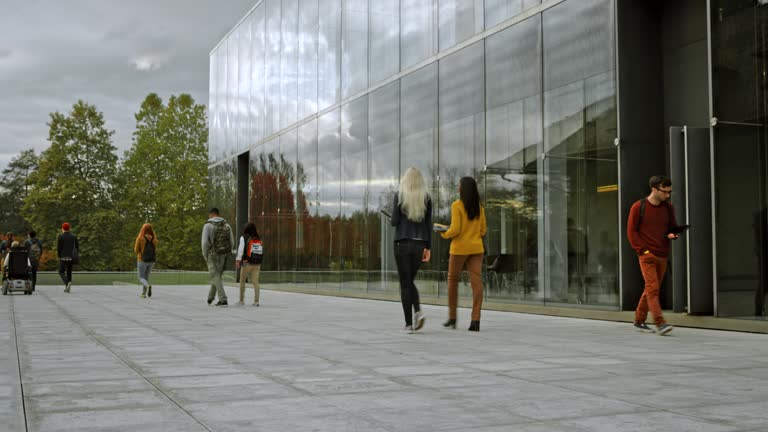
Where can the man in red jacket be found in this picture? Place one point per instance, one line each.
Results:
(648, 230)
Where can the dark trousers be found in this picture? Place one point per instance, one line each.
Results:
(33, 273)
(408, 254)
(65, 271)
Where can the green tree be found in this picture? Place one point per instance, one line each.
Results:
(164, 178)
(75, 183)
(14, 188)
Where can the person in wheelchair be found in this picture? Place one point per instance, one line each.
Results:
(17, 270)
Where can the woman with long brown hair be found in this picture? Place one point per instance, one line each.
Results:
(145, 248)
(466, 233)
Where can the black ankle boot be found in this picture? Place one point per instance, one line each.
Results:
(451, 323)
(474, 326)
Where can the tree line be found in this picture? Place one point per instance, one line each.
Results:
(80, 179)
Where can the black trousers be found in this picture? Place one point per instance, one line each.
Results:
(408, 254)
(65, 271)
(33, 273)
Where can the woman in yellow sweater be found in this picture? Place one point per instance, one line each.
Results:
(466, 234)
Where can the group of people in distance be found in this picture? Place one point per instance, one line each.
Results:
(66, 247)
(650, 227)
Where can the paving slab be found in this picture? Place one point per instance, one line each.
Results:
(103, 359)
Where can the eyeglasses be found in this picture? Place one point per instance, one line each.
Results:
(668, 192)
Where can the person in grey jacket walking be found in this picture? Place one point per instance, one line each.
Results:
(412, 219)
(217, 243)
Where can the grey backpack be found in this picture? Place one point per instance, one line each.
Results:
(222, 239)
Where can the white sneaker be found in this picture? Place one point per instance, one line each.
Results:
(407, 329)
(419, 318)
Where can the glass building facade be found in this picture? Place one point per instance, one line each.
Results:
(318, 106)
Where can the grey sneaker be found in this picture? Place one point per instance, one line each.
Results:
(643, 327)
(68, 287)
(407, 329)
(241, 303)
(419, 318)
(664, 329)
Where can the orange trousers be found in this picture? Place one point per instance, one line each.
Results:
(653, 269)
(474, 265)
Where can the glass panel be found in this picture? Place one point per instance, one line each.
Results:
(417, 31)
(258, 74)
(213, 125)
(306, 204)
(354, 56)
(383, 145)
(263, 206)
(308, 28)
(222, 189)
(418, 123)
(233, 97)
(244, 84)
(329, 53)
(272, 63)
(580, 230)
(739, 32)
(286, 186)
(354, 178)
(385, 39)
(289, 64)
(329, 199)
(461, 133)
(514, 139)
(459, 21)
(497, 11)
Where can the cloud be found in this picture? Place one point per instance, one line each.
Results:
(145, 64)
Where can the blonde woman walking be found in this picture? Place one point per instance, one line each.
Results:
(466, 234)
(412, 219)
(145, 248)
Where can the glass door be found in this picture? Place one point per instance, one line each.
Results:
(738, 31)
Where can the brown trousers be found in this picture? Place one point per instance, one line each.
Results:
(251, 270)
(653, 269)
(474, 265)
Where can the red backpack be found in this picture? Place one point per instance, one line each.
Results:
(254, 251)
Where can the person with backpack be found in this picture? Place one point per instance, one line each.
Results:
(649, 232)
(68, 249)
(145, 248)
(35, 248)
(217, 243)
(250, 253)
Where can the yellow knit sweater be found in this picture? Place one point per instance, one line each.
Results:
(466, 235)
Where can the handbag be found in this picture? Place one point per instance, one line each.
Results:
(75, 255)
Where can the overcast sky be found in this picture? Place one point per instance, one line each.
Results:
(110, 53)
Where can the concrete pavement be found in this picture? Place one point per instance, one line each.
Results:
(102, 359)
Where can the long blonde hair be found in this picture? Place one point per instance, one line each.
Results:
(413, 195)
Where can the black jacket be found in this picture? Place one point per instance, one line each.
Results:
(65, 244)
(408, 229)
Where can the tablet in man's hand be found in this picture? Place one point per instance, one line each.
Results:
(678, 229)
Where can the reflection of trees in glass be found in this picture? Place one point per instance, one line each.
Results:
(271, 206)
